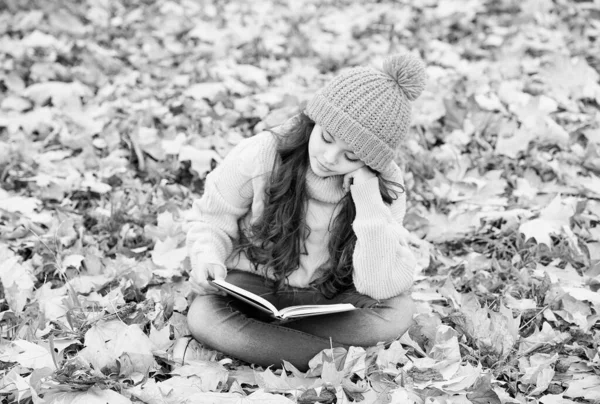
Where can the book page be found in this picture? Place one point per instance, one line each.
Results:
(285, 313)
(247, 296)
(313, 310)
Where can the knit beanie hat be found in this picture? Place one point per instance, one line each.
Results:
(370, 109)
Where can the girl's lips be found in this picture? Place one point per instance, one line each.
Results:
(322, 167)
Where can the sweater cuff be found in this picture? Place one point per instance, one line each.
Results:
(207, 257)
(368, 201)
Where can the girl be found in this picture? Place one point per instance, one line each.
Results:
(311, 214)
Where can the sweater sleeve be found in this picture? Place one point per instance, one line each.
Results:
(383, 265)
(228, 195)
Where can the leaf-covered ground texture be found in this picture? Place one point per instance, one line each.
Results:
(113, 112)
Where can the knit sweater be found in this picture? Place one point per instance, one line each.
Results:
(234, 198)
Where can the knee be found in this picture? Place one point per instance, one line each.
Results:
(402, 308)
(403, 304)
(200, 315)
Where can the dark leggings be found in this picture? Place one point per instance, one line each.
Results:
(239, 330)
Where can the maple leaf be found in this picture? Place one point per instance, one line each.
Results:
(450, 227)
(85, 284)
(184, 349)
(519, 304)
(107, 342)
(52, 302)
(139, 272)
(63, 95)
(547, 335)
(536, 123)
(491, 331)
(336, 355)
(17, 279)
(584, 386)
(534, 110)
(167, 255)
(445, 351)
(63, 20)
(555, 399)
(209, 91)
(565, 277)
(173, 146)
(149, 141)
(212, 375)
(355, 362)
(482, 392)
(551, 221)
(574, 311)
(571, 78)
(536, 370)
(442, 363)
(90, 182)
(161, 339)
(584, 294)
(28, 355)
(268, 381)
(512, 324)
(202, 161)
(251, 75)
(16, 104)
(258, 397)
(392, 356)
(94, 395)
(462, 380)
(16, 387)
(489, 188)
(21, 204)
(512, 143)
(405, 396)
(181, 388)
(166, 226)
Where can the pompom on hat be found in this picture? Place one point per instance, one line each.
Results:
(370, 109)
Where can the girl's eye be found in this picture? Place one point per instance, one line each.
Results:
(352, 160)
(325, 139)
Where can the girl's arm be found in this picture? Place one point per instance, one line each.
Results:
(383, 263)
(228, 194)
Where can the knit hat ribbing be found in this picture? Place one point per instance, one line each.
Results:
(370, 109)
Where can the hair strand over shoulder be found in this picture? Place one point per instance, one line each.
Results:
(276, 240)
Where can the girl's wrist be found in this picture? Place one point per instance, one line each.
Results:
(363, 176)
(366, 189)
(368, 202)
(359, 176)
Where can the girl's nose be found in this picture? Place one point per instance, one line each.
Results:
(330, 156)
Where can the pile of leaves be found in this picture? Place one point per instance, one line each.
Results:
(112, 113)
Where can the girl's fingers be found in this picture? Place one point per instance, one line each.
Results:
(347, 181)
(200, 275)
(219, 272)
(205, 288)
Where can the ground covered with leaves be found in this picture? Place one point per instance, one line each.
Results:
(112, 113)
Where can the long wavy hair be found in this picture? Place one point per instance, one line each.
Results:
(276, 240)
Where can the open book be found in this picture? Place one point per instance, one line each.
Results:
(285, 313)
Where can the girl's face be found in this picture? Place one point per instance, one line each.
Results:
(330, 156)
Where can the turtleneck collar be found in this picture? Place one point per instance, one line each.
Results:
(328, 189)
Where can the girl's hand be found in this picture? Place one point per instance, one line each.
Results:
(357, 177)
(201, 273)
(404, 239)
